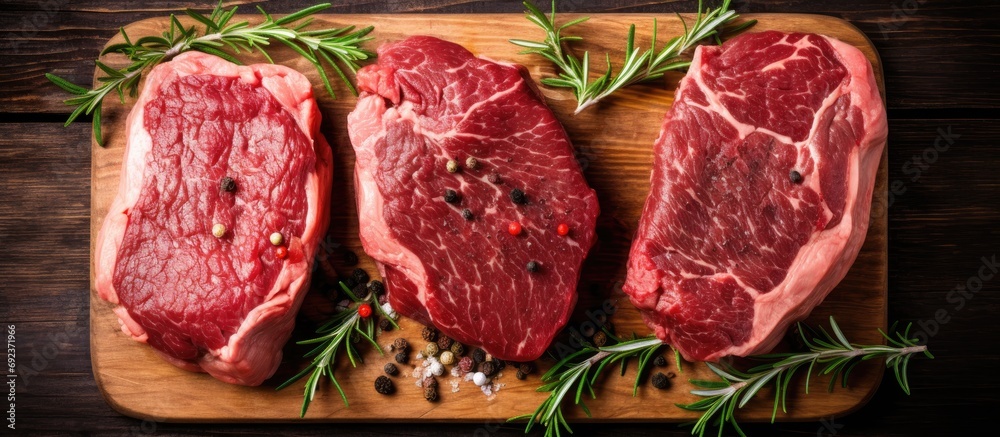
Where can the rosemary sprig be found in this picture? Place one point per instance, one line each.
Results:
(334, 334)
(321, 47)
(638, 66)
(573, 375)
(831, 351)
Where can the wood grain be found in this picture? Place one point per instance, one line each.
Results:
(614, 140)
(933, 52)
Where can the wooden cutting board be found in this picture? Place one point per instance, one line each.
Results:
(614, 142)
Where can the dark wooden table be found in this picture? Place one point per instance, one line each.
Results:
(942, 64)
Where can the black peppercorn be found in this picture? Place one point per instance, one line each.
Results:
(467, 214)
(478, 356)
(660, 361)
(360, 290)
(360, 276)
(444, 342)
(431, 394)
(350, 258)
(429, 333)
(227, 184)
(517, 196)
(390, 369)
(661, 381)
(521, 375)
(532, 266)
(384, 385)
(376, 287)
(400, 344)
(402, 358)
(795, 177)
(499, 364)
(600, 338)
(350, 282)
(385, 325)
(450, 196)
(528, 368)
(488, 368)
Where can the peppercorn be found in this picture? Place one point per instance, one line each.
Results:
(562, 229)
(457, 349)
(532, 266)
(521, 375)
(494, 178)
(385, 325)
(227, 184)
(429, 382)
(600, 338)
(400, 344)
(429, 333)
(465, 364)
(517, 196)
(467, 214)
(447, 358)
(281, 252)
(499, 364)
(390, 369)
(488, 368)
(471, 162)
(360, 290)
(478, 356)
(431, 394)
(795, 177)
(450, 196)
(360, 276)
(431, 349)
(218, 230)
(376, 287)
(276, 238)
(365, 311)
(350, 258)
(660, 361)
(384, 385)
(451, 166)
(349, 282)
(514, 228)
(661, 381)
(528, 368)
(402, 358)
(444, 342)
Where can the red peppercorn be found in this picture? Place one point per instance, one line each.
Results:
(281, 252)
(514, 228)
(364, 310)
(562, 229)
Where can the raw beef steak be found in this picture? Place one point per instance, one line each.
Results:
(442, 239)
(761, 188)
(223, 305)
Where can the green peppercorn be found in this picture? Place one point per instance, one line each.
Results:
(471, 162)
(431, 349)
(457, 348)
(451, 166)
(218, 230)
(384, 385)
(447, 358)
(276, 239)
